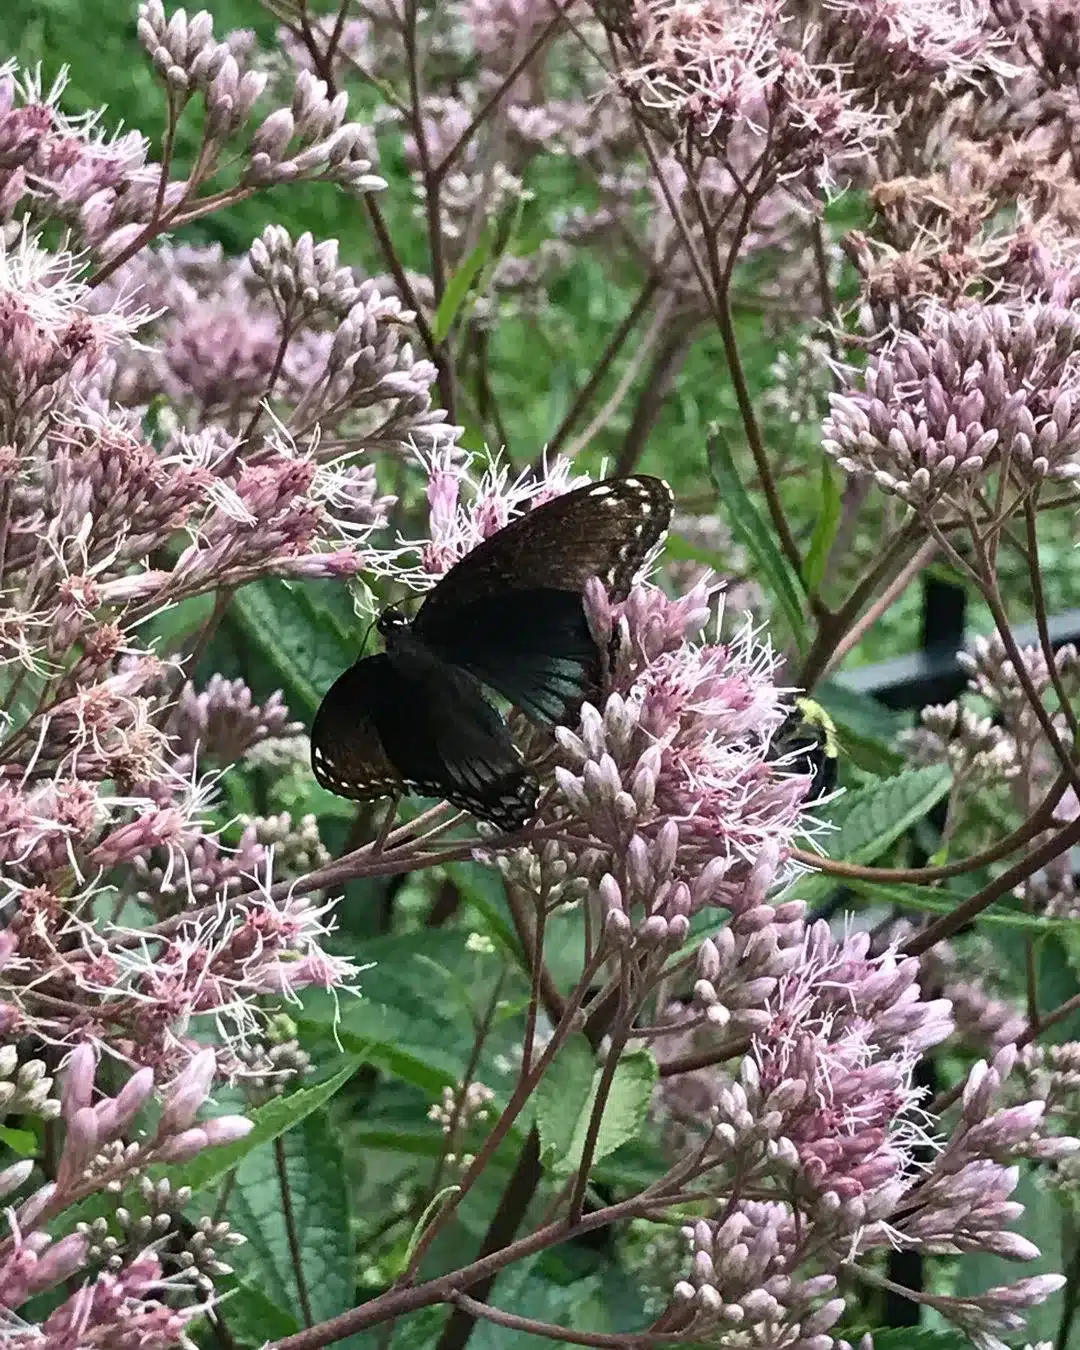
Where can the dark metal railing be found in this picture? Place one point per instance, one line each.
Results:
(932, 674)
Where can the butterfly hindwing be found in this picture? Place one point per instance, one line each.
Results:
(391, 726)
(534, 647)
(347, 753)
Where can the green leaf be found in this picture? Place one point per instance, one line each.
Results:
(752, 531)
(300, 638)
(390, 1040)
(679, 549)
(252, 1317)
(870, 819)
(169, 627)
(311, 1231)
(825, 527)
(22, 1142)
(866, 729)
(939, 900)
(458, 287)
(422, 995)
(528, 1290)
(271, 1120)
(567, 1106)
(1057, 981)
(563, 1095)
(484, 891)
(478, 267)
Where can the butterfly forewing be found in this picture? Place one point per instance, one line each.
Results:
(511, 611)
(604, 530)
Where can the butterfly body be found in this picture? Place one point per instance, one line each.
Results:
(510, 616)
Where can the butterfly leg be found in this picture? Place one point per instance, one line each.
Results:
(385, 826)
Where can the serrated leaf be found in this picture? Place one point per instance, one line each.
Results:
(563, 1094)
(306, 1170)
(749, 527)
(871, 819)
(422, 994)
(253, 1318)
(828, 519)
(528, 1290)
(390, 1039)
(299, 639)
(940, 900)
(271, 1120)
(625, 1109)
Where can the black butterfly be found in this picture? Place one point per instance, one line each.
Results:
(509, 615)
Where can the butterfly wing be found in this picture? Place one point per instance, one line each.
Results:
(604, 530)
(511, 612)
(389, 727)
(533, 646)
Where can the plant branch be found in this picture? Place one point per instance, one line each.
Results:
(615, 344)
(401, 1300)
(1038, 598)
(971, 908)
(1035, 824)
(922, 558)
(636, 361)
(625, 1341)
(662, 374)
(438, 173)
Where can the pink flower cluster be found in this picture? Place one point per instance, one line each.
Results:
(126, 1304)
(673, 779)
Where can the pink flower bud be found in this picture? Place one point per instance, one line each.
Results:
(80, 1146)
(227, 1129)
(114, 1114)
(61, 1260)
(78, 1079)
(34, 1206)
(187, 1094)
(11, 1178)
(181, 1147)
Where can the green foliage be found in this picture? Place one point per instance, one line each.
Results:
(867, 821)
(301, 638)
(272, 1121)
(567, 1096)
(287, 1199)
(750, 527)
